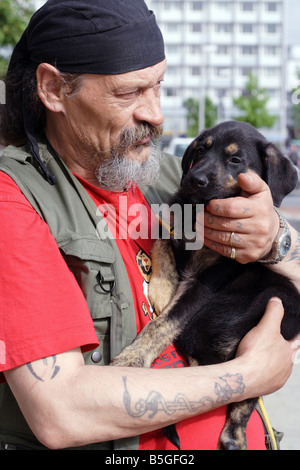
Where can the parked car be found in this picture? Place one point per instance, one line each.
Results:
(178, 146)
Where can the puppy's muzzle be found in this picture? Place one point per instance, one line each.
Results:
(199, 181)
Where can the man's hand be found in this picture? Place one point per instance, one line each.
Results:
(251, 219)
(267, 353)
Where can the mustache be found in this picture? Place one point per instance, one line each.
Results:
(133, 136)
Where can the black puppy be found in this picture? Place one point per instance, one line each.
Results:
(213, 301)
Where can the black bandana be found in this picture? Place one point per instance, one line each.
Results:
(88, 36)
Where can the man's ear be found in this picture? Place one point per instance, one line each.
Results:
(49, 87)
(280, 173)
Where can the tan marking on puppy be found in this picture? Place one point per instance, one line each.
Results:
(164, 277)
(230, 182)
(232, 149)
(209, 141)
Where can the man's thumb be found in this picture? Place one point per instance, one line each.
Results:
(251, 183)
(273, 315)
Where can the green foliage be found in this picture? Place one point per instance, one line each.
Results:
(296, 108)
(192, 106)
(14, 17)
(253, 105)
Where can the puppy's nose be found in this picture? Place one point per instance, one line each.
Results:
(200, 181)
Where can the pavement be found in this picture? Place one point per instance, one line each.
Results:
(283, 407)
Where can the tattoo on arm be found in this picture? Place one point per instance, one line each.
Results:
(295, 254)
(44, 370)
(228, 386)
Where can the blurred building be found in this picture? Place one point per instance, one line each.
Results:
(213, 45)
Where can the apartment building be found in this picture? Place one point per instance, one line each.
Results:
(212, 46)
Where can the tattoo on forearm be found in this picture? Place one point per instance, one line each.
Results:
(228, 386)
(44, 370)
(295, 254)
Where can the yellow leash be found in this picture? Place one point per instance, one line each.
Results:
(267, 422)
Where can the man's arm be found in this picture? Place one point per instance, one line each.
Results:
(254, 223)
(67, 403)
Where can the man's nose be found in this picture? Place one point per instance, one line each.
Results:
(149, 110)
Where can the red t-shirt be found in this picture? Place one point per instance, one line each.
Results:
(40, 298)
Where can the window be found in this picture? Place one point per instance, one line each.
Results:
(173, 5)
(173, 49)
(272, 28)
(194, 49)
(172, 27)
(248, 50)
(224, 72)
(272, 6)
(272, 50)
(195, 71)
(224, 28)
(196, 6)
(247, 28)
(247, 6)
(223, 50)
(245, 71)
(196, 27)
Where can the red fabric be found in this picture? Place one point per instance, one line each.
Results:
(42, 310)
(198, 433)
(202, 433)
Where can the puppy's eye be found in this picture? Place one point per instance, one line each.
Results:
(200, 148)
(235, 159)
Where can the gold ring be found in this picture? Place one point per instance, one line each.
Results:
(232, 254)
(231, 239)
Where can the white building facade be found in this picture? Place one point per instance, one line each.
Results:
(212, 46)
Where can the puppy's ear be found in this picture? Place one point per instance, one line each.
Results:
(188, 157)
(280, 173)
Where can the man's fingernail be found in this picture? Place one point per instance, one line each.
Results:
(276, 299)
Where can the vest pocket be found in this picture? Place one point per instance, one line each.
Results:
(91, 261)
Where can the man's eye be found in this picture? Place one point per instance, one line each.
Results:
(128, 94)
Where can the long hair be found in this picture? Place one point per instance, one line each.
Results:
(12, 130)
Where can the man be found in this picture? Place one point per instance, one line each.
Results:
(83, 96)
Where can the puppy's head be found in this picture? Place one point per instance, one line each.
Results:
(213, 161)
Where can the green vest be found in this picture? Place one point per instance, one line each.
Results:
(97, 265)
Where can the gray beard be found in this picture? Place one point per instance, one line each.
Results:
(119, 173)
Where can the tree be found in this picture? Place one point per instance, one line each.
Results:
(14, 17)
(192, 106)
(253, 105)
(295, 115)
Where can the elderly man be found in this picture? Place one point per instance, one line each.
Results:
(81, 119)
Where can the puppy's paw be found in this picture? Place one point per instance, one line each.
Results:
(127, 359)
(232, 440)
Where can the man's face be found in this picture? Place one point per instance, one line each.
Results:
(116, 114)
